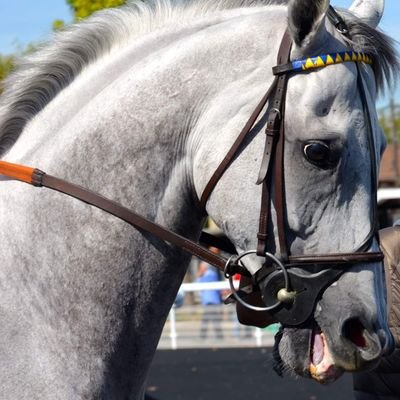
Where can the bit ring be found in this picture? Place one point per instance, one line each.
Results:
(275, 260)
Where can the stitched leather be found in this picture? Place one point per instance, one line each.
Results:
(133, 219)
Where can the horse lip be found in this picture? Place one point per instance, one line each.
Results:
(331, 374)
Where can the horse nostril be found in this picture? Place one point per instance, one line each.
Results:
(354, 330)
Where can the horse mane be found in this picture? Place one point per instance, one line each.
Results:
(380, 47)
(40, 76)
(43, 74)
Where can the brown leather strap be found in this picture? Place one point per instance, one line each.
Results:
(271, 132)
(136, 220)
(338, 258)
(262, 235)
(38, 178)
(274, 134)
(279, 196)
(274, 138)
(235, 147)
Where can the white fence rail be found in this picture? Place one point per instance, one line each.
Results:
(215, 326)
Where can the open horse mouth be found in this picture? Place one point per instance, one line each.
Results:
(325, 353)
(322, 366)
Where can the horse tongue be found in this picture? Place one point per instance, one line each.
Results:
(317, 352)
(322, 366)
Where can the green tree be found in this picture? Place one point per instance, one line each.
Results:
(58, 24)
(385, 120)
(80, 8)
(84, 8)
(6, 65)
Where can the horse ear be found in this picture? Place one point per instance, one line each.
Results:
(305, 20)
(370, 11)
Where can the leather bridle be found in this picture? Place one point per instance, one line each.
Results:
(289, 294)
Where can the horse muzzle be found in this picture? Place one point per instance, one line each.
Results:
(289, 293)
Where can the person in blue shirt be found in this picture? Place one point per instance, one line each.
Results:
(210, 299)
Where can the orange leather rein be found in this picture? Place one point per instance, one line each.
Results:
(18, 172)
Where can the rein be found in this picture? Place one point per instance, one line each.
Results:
(290, 296)
(38, 178)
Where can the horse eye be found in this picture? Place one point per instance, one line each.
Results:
(318, 153)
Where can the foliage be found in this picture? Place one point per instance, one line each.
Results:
(58, 24)
(84, 8)
(386, 123)
(6, 65)
(80, 8)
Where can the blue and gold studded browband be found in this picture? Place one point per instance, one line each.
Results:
(321, 61)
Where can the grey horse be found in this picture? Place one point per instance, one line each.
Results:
(141, 104)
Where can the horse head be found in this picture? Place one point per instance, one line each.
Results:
(141, 105)
(332, 148)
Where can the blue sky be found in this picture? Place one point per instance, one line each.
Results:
(25, 21)
(34, 22)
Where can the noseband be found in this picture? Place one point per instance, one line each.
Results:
(289, 294)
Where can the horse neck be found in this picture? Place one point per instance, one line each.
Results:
(122, 285)
(134, 141)
(121, 282)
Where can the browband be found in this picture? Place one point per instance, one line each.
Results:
(321, 61)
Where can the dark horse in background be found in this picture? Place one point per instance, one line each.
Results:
(141, 104)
